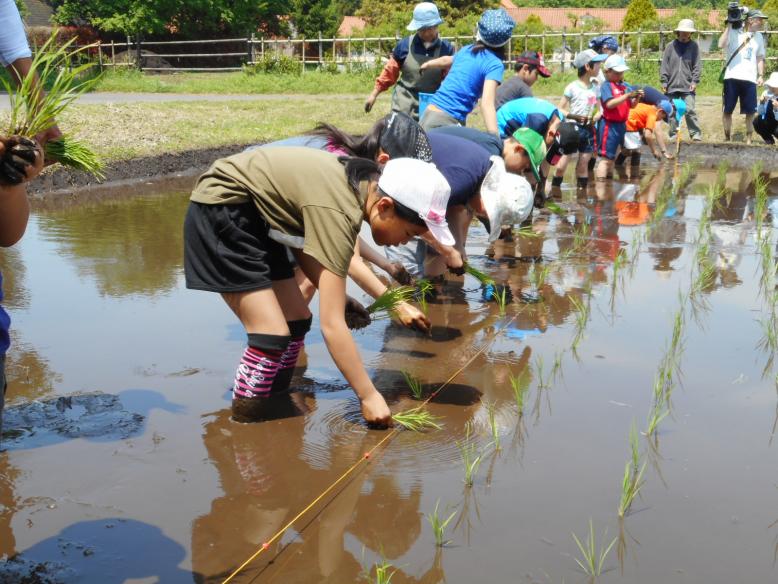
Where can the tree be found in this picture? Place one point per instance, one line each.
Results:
(314, 16)
(22, 8)
(639, 13)
(186, 18)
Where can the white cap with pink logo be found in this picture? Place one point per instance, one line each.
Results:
(422, 188)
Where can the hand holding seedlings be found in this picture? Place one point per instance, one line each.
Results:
(412, 317)
(375, 411)
(21, 159)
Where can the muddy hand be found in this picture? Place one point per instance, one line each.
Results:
(375, 411)
(21, 159)
(400, 274)
(412, 318)
(455, 262)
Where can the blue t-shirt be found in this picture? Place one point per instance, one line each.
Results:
(463, 163)
(527, 112)
(5, 323)
(464, 83)
(490, 142)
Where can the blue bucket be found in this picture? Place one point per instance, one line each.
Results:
(424, 99)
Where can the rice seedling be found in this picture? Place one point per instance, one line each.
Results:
(556, 368)
(537, 366)
(71, 152)
(633, 475)
(416, 387)
(439, 525)
(581, 310)
(634, 247)
(417, 420)
(527, 232)
(520, 385)
(658, 413)
(384, 572)
(501, 297)
(34, 110)
(471, 458)
(424, 290)
(593, 559)
(493, 427)
(538, 276)
(554, 208)
(389, 300)
(760, 197)
(478, 275)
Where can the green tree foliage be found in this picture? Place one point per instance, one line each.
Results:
(389, 17)
(185, 18)
(639, 14)
(22, 8)
(314, 16)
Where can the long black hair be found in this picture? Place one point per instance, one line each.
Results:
(366, 146)
(359, 169)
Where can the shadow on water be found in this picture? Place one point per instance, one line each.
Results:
(103, 551)
(96, 416)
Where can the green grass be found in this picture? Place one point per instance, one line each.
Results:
(593, 558)
(439, 525)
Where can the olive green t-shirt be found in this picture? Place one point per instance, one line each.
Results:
(302, 193)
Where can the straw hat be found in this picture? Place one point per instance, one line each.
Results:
(685, 25)
(772, 81)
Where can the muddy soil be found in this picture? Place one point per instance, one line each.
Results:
(122, 464)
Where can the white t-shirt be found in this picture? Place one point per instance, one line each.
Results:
(743, 65)
(582, 98)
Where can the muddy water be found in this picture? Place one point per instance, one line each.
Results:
(121, 463)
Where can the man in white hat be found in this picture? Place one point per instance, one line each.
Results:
(766, 120)
(404, 69)
(745, 54)
(680, 75)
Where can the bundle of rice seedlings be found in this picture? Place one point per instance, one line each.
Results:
(554, 208)
(424, 291)
(35, 110)
(417, 420)
(478, 275)
(389, 300)
(71, 152)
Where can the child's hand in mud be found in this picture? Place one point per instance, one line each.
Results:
(398, 272)
(21, 159)
(356, 316)
(455, 262)
(412, 318)
(375, 411)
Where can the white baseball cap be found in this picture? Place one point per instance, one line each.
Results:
(617, 63)
(422, 188)
(507, 197)
(772, 81)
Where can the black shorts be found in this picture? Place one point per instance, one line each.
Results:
(745, 91)
(227, 249)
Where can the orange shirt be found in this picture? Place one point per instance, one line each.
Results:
(642, 116)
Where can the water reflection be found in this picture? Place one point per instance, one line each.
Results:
(128, 246)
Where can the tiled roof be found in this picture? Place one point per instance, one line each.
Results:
(557, 18)
(38, 13)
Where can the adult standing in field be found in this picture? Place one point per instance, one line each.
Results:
(745, 54)
(679, 75)
(529, 66)
(15, 55)
(405, 67)
(476, 72)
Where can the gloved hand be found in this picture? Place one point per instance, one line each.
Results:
(20, 159)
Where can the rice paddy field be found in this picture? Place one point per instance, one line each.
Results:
(609, 415)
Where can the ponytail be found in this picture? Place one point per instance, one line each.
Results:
(366, 146)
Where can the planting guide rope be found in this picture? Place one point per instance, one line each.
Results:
(360, 463)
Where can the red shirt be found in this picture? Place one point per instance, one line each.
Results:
(620, 113)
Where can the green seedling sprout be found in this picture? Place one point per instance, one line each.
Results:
(384, 572)
(439, 526)
(493, 427)
(656, 415)
(423, 290)
(389, 300)
(34, 111)
(554, 208)
(520, 385)
(471, 459)
(592, 561)
(633, 474)
(416, 387)
(501, 299)
(538, 367)
(417, 420)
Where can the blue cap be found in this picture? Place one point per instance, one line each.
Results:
(605, 41)
(666, 107)
(495, 27)
(425, 15)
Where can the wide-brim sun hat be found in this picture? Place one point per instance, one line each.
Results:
(772, 81)
(507, 198)
(425, 15)
(685, 25)
(616, 63)
(534, 146)
(495, 28)
(421, 187)
(403, 137)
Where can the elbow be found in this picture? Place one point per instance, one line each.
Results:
(9, 238)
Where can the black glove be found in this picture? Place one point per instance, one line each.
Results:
(20, 152)
(540, 193)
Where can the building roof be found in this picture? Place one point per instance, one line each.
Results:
(39, 13)
(350, 25)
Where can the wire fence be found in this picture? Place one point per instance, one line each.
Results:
(355, 53)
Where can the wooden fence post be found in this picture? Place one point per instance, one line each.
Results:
(348, 54)
(138, 54)
(364, 51)
(580, 42)
(302, 57)
(113, 54)
(321, 54)
(543, 43)
(564, 47)
(262, 47)
(100, 55)
(526, 41)
(250, 49)
(640, 41)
